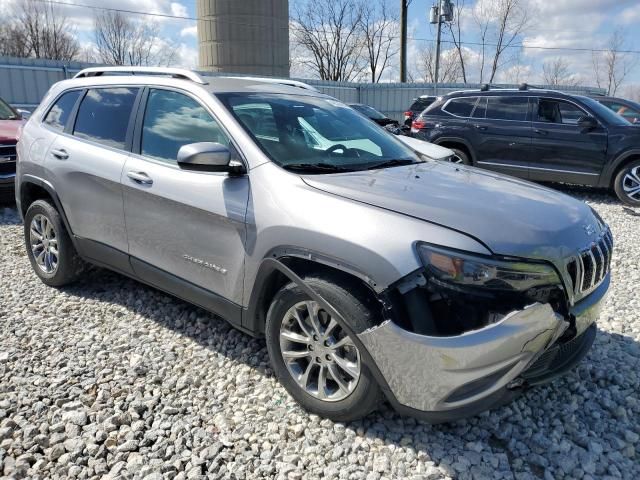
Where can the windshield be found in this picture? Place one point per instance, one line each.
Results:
(6, 112)
(368, 111)
(313, 133)
(604, 113)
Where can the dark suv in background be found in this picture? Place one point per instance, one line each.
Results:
(540, 135)
(417, 107)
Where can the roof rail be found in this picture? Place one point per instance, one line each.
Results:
(281, 81)
(172, 72)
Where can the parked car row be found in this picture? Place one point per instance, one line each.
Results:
(539, 135)
(371, 270)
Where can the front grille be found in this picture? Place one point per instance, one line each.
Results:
(591, 265)
(7, 158)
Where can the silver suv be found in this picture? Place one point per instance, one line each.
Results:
(372, 271)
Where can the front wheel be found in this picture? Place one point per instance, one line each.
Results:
(315, 357)
(627, 184)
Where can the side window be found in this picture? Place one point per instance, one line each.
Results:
(171, 120)
(104, 114)
(460, 107)
(507, 108)
(557, 111)
(59, 113)
(481, 108)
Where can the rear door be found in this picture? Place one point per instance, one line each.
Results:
(85, 163)
(561, 150)
(500, 130)
(185, 228)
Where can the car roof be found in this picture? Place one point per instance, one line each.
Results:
(510, 92)
(186, 79)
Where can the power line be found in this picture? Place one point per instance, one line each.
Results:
(422, 39)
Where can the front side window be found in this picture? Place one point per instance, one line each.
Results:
(172, 120)
(300, 131)
(103, 116)
(460, 107)
(507, 108)
(59, 113)
(557, 111)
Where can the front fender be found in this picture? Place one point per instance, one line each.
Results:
(611, 168)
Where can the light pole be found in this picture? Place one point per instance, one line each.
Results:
(442, 11)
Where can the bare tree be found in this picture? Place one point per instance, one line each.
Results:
(46, 32)
(455, 32)
(613, 66)
(557, 72)
(121, 41)
(330, 31)
(13, 42)
(380, 30)
(501, 24)
(449, 65)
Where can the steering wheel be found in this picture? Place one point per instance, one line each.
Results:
(335, 147)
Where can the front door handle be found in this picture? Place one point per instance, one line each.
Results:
(540, 132)
(60, 154)
(140, 177)
(481, 127)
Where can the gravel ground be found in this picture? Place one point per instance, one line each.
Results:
(111, 378)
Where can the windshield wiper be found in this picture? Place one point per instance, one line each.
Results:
(393, 163)
(317, 167)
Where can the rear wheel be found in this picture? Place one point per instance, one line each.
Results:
(315, 356)
(460, 156)
(49, 248)
(627, 184)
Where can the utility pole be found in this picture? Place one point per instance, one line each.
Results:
(403, 40)
(443, 11)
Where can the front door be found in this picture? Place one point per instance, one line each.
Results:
(501, 134)
(561, 150)
(185, 228)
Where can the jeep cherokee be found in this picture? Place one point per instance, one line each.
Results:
(371, 270)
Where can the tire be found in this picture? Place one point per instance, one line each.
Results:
(462, 155)
(355, 398)
(49, 248)
(628, 178)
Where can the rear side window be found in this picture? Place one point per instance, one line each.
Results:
(59, 113)
(460, 107)
(507, 108)
(172, 120)
(104, 114)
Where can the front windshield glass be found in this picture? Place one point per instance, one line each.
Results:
(369, 111)
(605, 113)
(6, 112)
(306, 132)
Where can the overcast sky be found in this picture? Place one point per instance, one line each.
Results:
(557, 23)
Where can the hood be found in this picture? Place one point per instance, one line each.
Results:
(9, 130)
(429, 149)
(511, 217)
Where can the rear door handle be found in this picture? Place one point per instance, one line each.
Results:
(60, 154)
(481, 127)
(140, 177)
(540, 132)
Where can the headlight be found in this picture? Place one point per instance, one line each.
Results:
(467, 270)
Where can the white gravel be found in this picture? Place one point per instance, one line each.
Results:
(110, 377)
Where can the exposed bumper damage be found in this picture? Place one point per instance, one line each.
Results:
(473, 371)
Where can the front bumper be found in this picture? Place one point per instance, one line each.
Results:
(446, 378)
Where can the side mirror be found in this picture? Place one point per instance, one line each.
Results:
(587, 122)
(205, 157)
(24, 114)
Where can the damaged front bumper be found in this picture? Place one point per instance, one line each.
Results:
(452, 377)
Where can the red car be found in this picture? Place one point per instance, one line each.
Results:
(10, 124)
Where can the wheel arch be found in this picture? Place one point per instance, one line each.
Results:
(619, 163)
(276, 271)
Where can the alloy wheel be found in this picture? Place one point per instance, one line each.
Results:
(631, 183)
(318, 352)
(44, 244)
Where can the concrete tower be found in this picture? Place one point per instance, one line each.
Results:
(244, 36)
